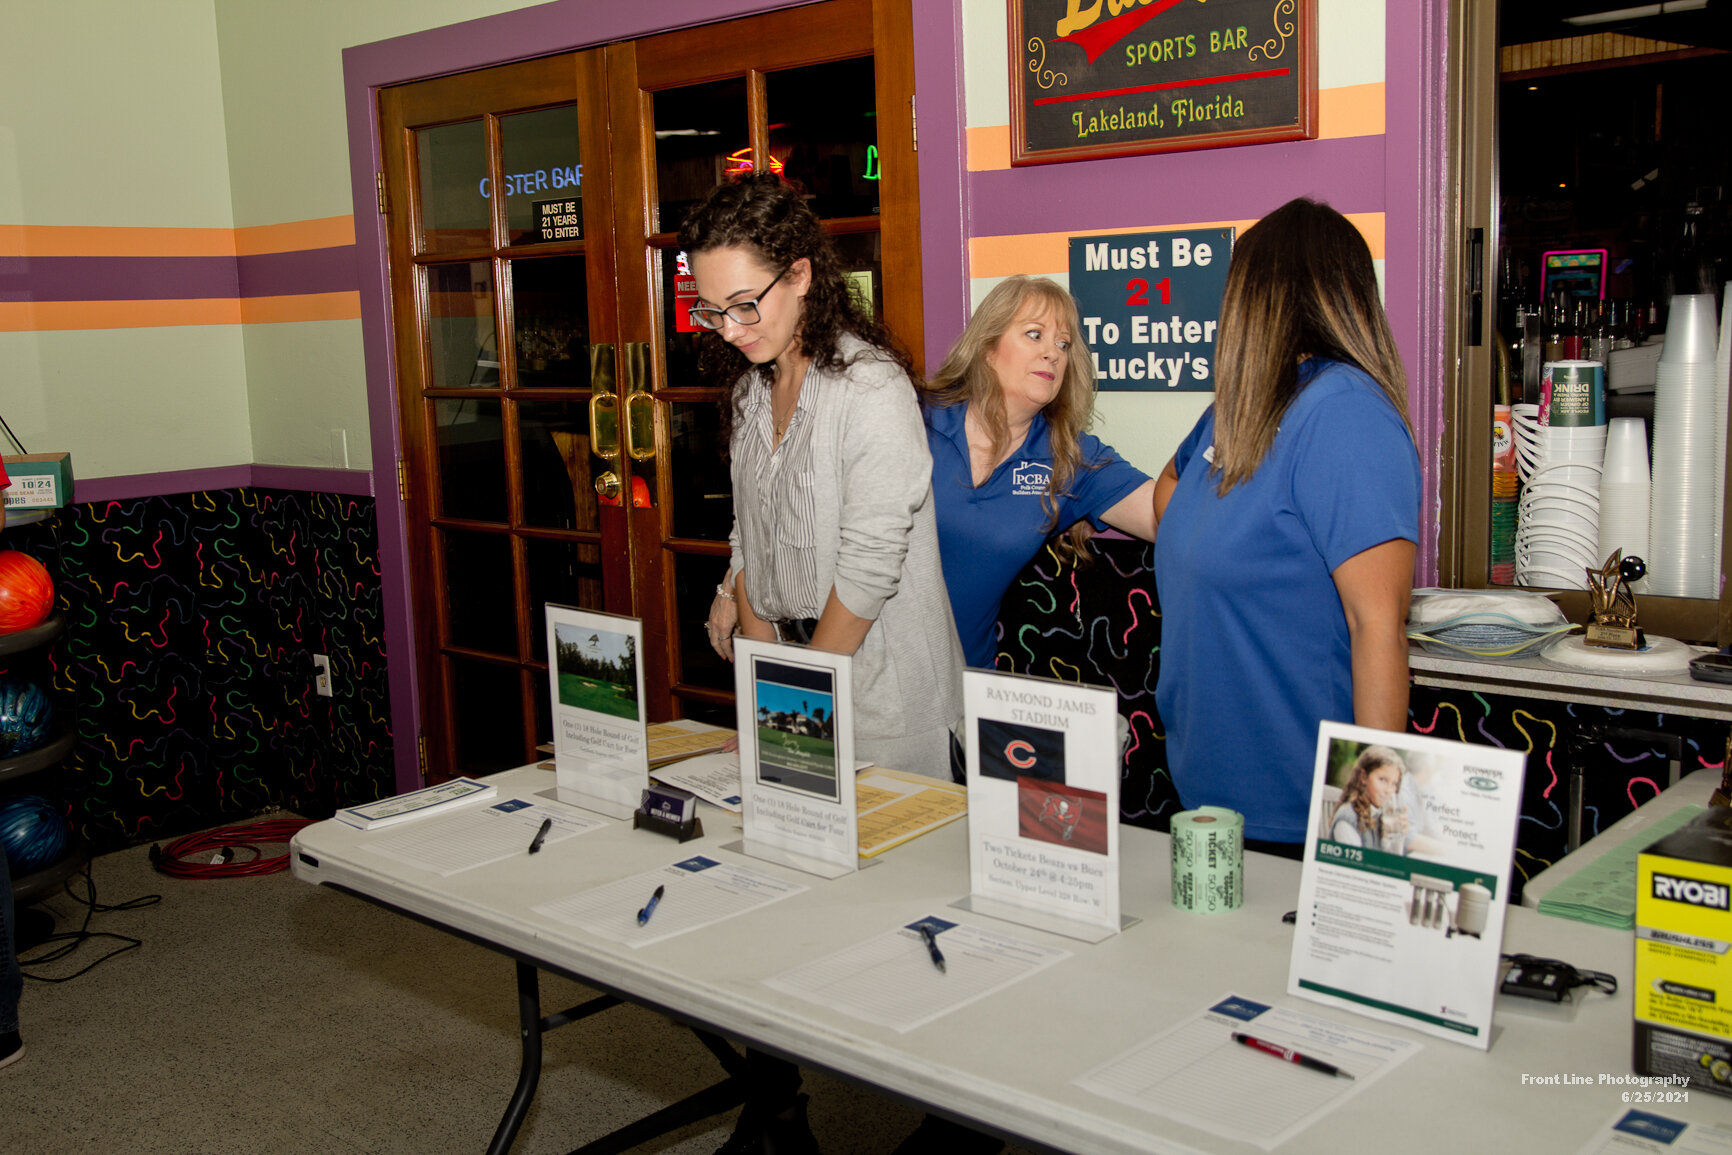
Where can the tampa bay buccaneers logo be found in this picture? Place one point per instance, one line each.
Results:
(1060, 815)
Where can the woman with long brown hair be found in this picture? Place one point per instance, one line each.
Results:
(1012, 461)
(1289, 521)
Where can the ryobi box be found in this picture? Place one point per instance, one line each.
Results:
(1683, 994)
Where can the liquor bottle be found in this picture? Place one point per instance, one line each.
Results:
(1582, 322)
(1557, 329)
(1600, 336)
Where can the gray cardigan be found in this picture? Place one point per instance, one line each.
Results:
(866, 474)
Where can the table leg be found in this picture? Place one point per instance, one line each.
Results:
(529, 1074)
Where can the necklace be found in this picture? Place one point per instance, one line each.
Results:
(778, 422)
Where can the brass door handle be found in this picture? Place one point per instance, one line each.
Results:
(640, 426)
(640, 405)
(604, 426)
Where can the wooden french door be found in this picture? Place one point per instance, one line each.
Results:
(558, 443)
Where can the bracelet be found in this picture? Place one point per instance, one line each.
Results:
(722, 591)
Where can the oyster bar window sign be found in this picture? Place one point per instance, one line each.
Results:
(1102, 78)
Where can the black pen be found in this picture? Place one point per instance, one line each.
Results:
(535, 843)
(1289, 1054)
(932, 946)
(649, 907)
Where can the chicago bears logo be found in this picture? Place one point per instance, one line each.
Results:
(1011, 750)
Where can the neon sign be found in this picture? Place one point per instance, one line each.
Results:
(522, 183)
(740, 161)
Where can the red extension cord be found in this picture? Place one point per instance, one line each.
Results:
(178, 857)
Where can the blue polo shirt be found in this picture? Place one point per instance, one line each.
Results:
(1254, 644)
(986, 535)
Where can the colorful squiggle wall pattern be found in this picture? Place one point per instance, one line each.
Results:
(1102, 624)
(1624, 757)
(187, 659)
(1099, 624)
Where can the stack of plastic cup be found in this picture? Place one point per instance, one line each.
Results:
(1558, 516)
(1689, 434)
(1624, 492)
(1505, 489)
(1722, 387)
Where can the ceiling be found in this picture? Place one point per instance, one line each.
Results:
(1528, 21)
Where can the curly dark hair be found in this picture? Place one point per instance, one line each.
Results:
(763, 214)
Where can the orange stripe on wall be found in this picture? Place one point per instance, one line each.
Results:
(301, 307)
(1048, 254)
(989, 148)
(43, 316)
(106, 241)
(1350, 110)
(1353, 110)
(294, 236)
(102, 241)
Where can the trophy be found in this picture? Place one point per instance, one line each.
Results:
(1612, 605)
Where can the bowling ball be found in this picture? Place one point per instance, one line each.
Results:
(26, 591)
(25, 714)
(33, 833)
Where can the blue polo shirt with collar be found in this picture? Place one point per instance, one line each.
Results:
(986, 535)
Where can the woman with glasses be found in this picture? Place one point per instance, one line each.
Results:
(834, 541)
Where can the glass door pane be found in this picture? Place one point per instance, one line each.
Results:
(542, 165)
(462, 346)
(824, 134)
(452, 159)
(700, 132)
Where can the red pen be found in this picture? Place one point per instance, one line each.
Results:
(1289, 1054)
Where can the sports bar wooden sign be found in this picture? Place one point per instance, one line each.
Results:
(1099, 78)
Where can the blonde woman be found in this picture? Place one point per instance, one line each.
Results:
(1290, 517)
(1012, 464)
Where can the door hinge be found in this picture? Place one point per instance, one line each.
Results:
(402, 480)
(421, 751)
(380, 181)
(913, 124)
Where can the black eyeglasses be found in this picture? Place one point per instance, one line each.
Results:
(742, 312)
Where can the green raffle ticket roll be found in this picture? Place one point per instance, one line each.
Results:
(1209, 860)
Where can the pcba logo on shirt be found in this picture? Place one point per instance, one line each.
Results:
(1030, 478)
(1692, 892)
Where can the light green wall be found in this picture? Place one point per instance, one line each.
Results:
(282, 92)
(114, 115)
(111, 115)
(128, 401)
(293, 374)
